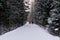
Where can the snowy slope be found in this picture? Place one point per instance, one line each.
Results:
(28, 32)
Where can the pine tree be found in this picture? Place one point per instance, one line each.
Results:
(45, 9)
(42, 9)
(13, 15)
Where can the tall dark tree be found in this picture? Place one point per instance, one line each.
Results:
(45, 10)
(12, 15)
(42, 9)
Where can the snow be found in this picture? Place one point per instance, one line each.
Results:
(28, 32)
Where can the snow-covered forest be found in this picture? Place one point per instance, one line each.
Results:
(15, 13)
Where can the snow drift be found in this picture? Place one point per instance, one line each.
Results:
(28, 32)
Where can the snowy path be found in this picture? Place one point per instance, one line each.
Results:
(28, 32)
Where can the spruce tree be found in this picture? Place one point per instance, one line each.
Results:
(12, 15)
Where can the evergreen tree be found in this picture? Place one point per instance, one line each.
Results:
(12, 15)
(45, 9)
(42, 9)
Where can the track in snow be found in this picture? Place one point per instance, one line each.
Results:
(28, 32)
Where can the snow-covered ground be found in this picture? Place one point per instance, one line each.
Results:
(28, 32)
